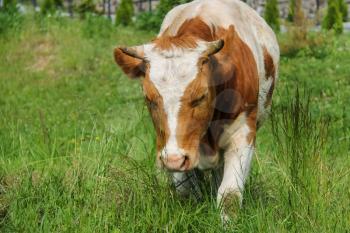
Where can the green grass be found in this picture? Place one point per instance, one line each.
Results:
(77, 147)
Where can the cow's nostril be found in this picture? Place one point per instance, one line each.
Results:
(185, 162)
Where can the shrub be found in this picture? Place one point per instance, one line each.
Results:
(296, 13)
(148, 21)
(333, 19)
(291, 9)
(51, 6)
(95, 26)
(343, 8)
(86, 7)
(9, 5)
(166, 5)
(153, 20)
(48, 7)
(272, 14)
(299, 16)
(9, 16)
(313, 44)
(125, 12)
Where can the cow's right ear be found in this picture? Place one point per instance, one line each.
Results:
(131, 60)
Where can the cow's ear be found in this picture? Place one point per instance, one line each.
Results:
(131, 60)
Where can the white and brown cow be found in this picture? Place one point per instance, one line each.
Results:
(208, 80)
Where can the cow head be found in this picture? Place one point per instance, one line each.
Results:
(179, 92)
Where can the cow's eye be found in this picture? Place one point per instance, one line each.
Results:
(198, 101)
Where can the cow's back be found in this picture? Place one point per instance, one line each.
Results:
(251, 28)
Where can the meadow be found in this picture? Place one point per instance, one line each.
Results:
(77, 146)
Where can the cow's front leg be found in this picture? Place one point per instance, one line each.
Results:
(237, 159)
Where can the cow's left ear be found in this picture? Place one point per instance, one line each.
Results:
(131, 60)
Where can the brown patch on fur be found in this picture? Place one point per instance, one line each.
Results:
(252, 124)
(155, 106)
(231, 80)
(131, 66)
(196, 111)
(236, 86)
(270, 72)
(187, 36)
(169, 42)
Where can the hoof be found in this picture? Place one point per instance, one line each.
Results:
(230, 206)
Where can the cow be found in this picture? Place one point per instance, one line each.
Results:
(208, 80)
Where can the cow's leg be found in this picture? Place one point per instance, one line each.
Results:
(237, 159)
(187, 183)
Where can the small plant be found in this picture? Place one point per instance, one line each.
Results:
(333, 19)
(272, 14)
(125, 12)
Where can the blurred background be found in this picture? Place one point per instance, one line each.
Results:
(148, 14)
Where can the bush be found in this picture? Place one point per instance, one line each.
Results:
(9, 6)
(333, 19)
(9, 16)
(291, 10)
(125, 12)
(343, 8)
(153, 20)
(148, 21)
(272, 14)
(95, 26)
(298, 42)
(86, 7)
(166, 5)
(51, 6)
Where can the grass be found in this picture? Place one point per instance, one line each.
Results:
(77, 145)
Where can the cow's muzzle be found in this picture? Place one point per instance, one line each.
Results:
(176, 162)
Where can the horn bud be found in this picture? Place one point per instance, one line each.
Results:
(213, 47)
(135, 51)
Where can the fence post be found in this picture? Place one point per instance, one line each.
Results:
(104, 7)
(70, 8)
(35, 4)
(109, 9)
(140, 5)
(150, 5)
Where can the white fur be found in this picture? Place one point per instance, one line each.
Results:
(171, 72)
(172, 76)
(237, 159)
(251, 28)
